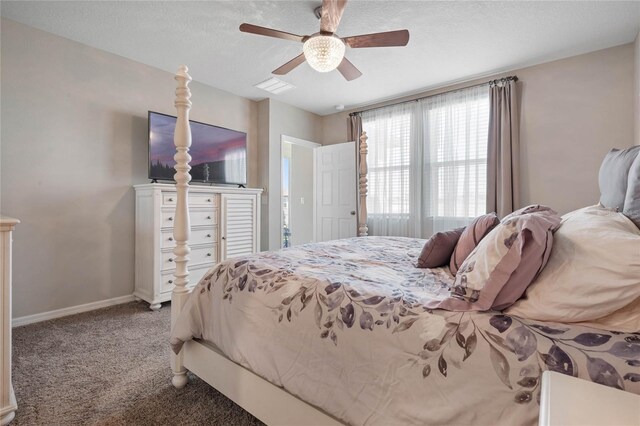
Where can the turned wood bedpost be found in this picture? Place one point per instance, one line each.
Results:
(363, 229)
(181, 226)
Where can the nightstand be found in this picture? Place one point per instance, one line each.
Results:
(568, 401)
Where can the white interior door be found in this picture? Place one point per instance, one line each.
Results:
(336, 191)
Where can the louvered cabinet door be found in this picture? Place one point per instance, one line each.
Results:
(238, 225)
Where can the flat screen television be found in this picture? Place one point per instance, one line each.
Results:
(219, 155)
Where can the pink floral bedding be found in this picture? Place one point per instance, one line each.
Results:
(344, 326)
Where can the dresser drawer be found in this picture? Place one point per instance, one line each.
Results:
(195, 275)
(198, 236)
(198, 216)
(203, 200)
(169, 198)
(198, 256)
(195, 199)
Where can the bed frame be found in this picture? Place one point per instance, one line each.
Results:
(266, 401)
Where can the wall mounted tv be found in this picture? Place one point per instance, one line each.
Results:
(219, 155)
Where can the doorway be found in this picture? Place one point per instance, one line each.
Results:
(298, 191)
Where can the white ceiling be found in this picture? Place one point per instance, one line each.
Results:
(450, 41)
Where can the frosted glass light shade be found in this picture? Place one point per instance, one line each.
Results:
(324, 53)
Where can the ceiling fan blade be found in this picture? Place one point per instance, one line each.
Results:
(269, 32)
(331, 14)
(348, 70)
(387, 39)
(289, 66)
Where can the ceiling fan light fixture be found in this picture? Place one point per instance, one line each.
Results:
(324, 52)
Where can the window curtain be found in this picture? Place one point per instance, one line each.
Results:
(354, 128)
(504, 148)
(427, 163)
(394, 177)
(455, 160)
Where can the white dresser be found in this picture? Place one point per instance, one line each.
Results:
(225, 222)
(8, 404)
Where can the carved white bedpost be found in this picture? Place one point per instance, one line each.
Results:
(363, 229)
(181, 226)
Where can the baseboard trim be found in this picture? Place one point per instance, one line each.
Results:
(58, 313)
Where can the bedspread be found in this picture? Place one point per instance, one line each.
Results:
(343, 325)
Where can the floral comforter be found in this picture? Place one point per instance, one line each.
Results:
(343, 325)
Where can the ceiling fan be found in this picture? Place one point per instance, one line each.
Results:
(324, 50)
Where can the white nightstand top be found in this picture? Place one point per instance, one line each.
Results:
(569, 401)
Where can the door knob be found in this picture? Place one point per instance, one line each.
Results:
(353, 212)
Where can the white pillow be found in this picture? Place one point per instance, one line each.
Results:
(593, 271)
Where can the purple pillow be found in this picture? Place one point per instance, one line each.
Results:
(470, 238)
(500, 269)
(438, 249)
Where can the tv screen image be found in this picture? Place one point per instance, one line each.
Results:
(218, 155)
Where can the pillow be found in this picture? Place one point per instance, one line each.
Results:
(632, 200)
(506, 261)
(593, 271)
(470, 238)
(438, 249)
(614, 175)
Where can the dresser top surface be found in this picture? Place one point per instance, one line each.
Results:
(199, 188)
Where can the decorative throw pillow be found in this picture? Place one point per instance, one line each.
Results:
(470, 238)
(614, 175)
(632, 200)
(593, 272)
(506, 261)
(438, 249)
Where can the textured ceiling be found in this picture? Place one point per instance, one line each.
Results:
(450, 41)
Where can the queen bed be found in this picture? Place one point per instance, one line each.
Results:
(344, 332)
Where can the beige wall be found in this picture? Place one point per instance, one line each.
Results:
(636, 92)
(74, 141)
(572, 112)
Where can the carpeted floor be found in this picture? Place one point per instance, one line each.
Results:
(109, 367)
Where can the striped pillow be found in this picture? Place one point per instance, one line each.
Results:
(470, 238)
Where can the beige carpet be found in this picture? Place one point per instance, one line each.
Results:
(109, 367)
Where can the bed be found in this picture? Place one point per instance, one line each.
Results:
(340, 332)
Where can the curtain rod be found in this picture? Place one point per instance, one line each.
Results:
(490, 83)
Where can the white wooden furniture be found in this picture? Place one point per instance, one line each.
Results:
(8, 404)
(225, 222)
(267, 402)
(568, 401)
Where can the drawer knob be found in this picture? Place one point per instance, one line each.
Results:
(208, 217)
(171, 259)
(224, 238)
(208, 200)
(170, 199)
(208, 235)
(209, 254)
(170, 281)
(170, 218)
(170, 238)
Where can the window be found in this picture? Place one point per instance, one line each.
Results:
(427, 163)
(389, 163)
(456, 131)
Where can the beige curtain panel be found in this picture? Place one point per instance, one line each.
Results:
(354, 128)
(503, 164)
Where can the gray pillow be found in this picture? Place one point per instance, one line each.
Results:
(614, 175)
(632, 200)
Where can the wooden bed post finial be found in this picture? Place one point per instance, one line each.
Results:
(181, 227)
(363, 229)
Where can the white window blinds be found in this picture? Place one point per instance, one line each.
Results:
(427, 163)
